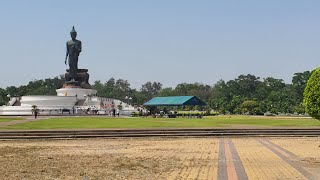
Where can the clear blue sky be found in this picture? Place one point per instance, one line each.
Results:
(170, 41)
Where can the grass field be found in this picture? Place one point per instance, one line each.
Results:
(9, 119)
(216, 121)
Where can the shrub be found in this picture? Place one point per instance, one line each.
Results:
(311, 95)
(197, 113)
(213, 113)
(134, 114)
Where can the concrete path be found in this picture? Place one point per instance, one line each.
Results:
(260, 158)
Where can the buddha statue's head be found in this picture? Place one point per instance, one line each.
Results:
(73, 33)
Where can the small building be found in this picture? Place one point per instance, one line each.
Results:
(175, 101)
(172, 101)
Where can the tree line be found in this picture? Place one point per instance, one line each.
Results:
(246, 94)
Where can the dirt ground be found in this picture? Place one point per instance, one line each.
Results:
(125, 158)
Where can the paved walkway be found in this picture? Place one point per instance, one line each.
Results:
(260, 158)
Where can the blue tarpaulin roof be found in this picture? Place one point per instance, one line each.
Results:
(175, 101)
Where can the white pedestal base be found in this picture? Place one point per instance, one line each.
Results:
(79, 92)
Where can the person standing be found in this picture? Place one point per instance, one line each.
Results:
(36, 114)
(118, 112)
(35, 111)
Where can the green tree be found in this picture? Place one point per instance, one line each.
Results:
(117, 89)
(312, 95)
(220, 97)
(246, 86)
(249, 106)
(200, 90)
(100, 88)
(3, 97)
(151, 89)
(167, 92)
(235, 104)
(299, 81)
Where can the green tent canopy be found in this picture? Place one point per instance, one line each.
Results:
(175, 101)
